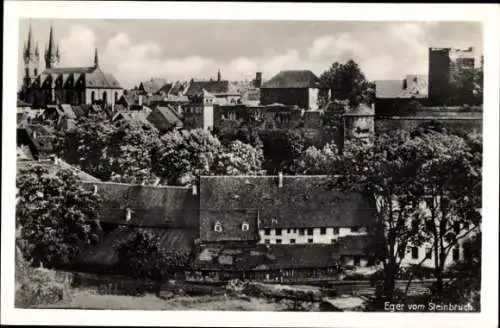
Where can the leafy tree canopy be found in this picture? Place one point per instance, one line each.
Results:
(56, 218)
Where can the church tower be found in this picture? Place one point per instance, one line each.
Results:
(31, 58)
(52, 55)
(96, 59)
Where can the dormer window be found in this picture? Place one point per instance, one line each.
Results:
(245, 226)
(218, 227)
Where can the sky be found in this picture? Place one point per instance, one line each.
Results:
(137, 50)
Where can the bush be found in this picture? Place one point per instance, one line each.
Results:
(38, 287)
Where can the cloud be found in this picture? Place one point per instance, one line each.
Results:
(77, 48)
(387, 51)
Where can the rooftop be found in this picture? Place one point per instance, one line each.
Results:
(293, 79)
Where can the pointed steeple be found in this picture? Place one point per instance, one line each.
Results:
(96, 59)
(219, 75)
(52, 53)
(29, 48)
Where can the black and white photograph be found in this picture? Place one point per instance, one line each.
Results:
(269, 165)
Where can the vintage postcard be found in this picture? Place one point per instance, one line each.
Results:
(250, 164)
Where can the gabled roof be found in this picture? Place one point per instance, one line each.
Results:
(151, 206)
(153, 85)
(215, 87)
(302, 201)
(54, 167)
(94, 77)
(164, 117)
(165, 88)
(293, 79)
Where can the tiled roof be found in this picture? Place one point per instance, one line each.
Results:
(216, 87)
(104, 254)
(164, 118)
(54, 168)
(94, 77)
(153, 85)
(264, 257)
(151, 206)
(293, 79)
(302, 201)
(165, 88)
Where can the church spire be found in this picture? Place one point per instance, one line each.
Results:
(52, 52)
(29, 48)
(96, 59)
(219, 76)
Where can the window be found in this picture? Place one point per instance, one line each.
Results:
(354, 229)
(456, 254)
(335, 231)
(428, 253)
(36, 72)
(278, 232)
(292, 241)
(401, 253)
(357, 260)
(301, 231)
(288, 230)
(415, 223)
(332, 241)
(245, 227)
(27, 71)
(116, 97)
(92, 97)
(267, 232)
(266, 241)
(294, 230)
(310, 231)
(278, 241)
(104, 97)
(322, 231)
(218, 227)
(456, 227)
(414, 252)
(310, 241)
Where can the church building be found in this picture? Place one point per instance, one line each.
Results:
(64, 85)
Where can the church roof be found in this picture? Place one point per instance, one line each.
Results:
(93, 77)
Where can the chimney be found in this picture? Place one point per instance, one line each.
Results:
(258, 80)
(95, 190)
(280, 180)
(194, 188)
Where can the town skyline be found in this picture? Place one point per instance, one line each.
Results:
(202, 47)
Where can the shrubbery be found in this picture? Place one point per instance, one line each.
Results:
(38, 287)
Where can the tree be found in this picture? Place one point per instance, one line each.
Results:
(86, 145)
(316, 161)
(131, 149)
(238, 159)
(386, 170)
(347, 82)
(467, 87)
(142, 256)
(403, 173)
(184, 156)
(451, 180)
(56, 218)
